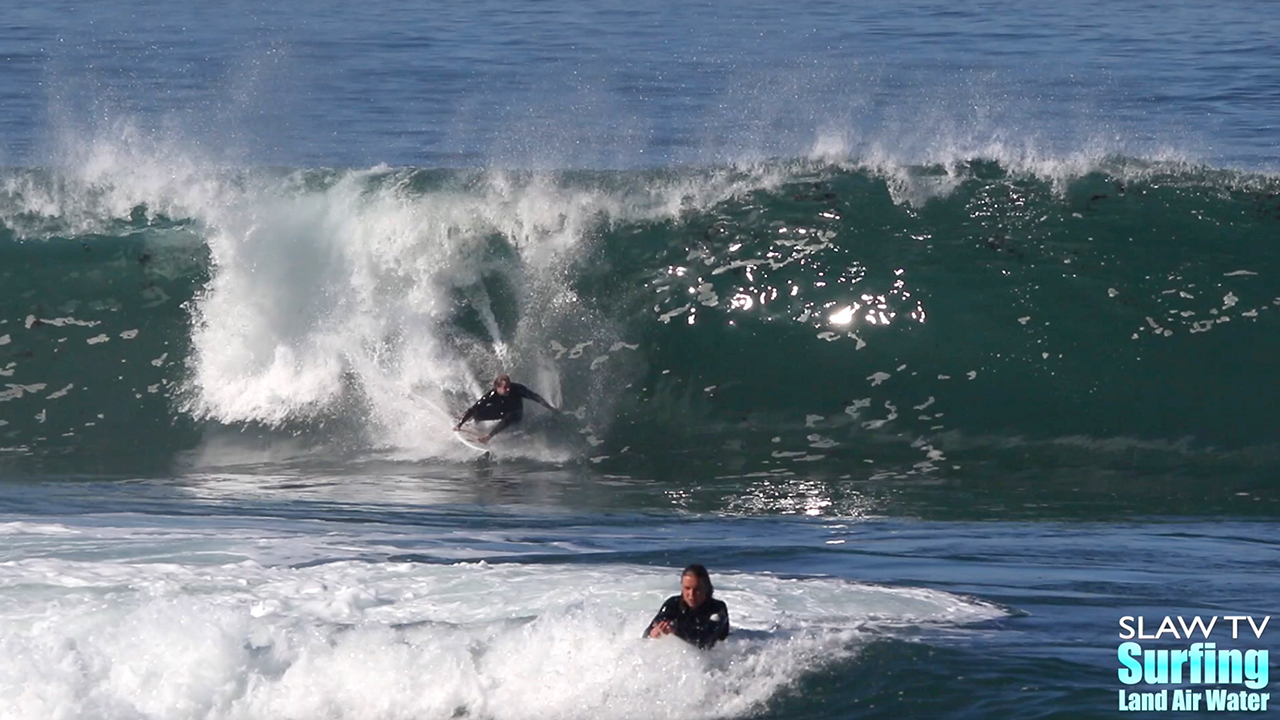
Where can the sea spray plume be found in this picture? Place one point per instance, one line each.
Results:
(96, 186)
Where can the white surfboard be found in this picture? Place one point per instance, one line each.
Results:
(471, 439)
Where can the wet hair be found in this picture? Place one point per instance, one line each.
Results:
(704, 578)
(501, 379)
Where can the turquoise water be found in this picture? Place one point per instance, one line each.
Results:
(943, 337)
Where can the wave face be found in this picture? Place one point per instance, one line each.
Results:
(790, 317)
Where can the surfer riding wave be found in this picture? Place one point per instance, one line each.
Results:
(504, 403)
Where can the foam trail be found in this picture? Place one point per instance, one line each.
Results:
(480, 300)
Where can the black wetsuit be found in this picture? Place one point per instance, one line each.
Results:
(507, 409)
(702, 626)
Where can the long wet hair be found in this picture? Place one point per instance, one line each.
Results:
(704, 578)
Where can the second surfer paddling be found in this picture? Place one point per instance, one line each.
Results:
(504, 403)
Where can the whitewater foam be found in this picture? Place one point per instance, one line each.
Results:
(358, 639)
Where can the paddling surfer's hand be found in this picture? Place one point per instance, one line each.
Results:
(483, 439)
(662, 628)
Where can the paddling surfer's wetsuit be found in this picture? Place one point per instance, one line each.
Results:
(506, 409)
(702, 626)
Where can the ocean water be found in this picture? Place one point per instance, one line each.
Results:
(944, 336)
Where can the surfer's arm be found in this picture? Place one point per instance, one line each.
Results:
(531, 395)
(721, 630)
(662, 621)
(471, 411)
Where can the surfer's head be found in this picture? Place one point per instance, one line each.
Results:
(695, 585)
(502, 384)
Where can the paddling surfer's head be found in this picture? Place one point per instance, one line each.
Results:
(695, 585)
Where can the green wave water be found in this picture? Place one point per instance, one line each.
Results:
(1042, 329)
